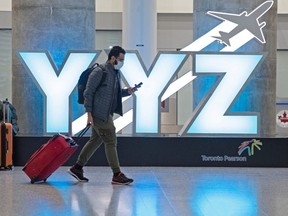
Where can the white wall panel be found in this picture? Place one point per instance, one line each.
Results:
(109, 5)
(282, 7)
(6, 64)
(172, 6)
(5, 19)
(163, 6)
(5, 5)
(282, 31)
(282, 74)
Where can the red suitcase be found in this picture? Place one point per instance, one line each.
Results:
(49, 157)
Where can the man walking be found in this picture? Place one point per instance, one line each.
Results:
(102, 98)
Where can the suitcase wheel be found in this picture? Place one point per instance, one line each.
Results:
(33, 179)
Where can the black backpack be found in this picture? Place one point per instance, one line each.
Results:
(82, 82)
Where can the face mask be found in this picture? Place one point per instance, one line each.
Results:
(119, 65)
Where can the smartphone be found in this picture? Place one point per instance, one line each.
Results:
(137, 86)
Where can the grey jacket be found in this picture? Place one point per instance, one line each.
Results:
(98, 98)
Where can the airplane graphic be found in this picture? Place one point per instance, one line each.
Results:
(244, 21)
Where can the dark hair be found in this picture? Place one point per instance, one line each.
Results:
(115, 51)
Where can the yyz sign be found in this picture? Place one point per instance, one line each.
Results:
(234, 71)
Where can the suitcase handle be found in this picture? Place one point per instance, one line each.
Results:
(82, 132)
(6, 117)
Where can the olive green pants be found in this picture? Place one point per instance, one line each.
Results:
(101, 132)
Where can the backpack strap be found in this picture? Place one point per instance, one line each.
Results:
(95, 65)
(103, 74)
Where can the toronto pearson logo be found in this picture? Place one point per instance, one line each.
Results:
(250, 146)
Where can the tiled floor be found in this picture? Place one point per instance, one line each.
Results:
(157, 191)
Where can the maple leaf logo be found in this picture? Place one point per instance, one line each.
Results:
(282, 118)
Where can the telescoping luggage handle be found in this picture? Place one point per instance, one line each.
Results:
(69, 139)
(82, 132)
(5, 106)
(72, 141)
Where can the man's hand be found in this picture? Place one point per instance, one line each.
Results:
(135, 88)
(132, 90)
(89, 118)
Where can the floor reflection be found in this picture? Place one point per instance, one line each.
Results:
(146, 196)
(225, 196)
(157, 191)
